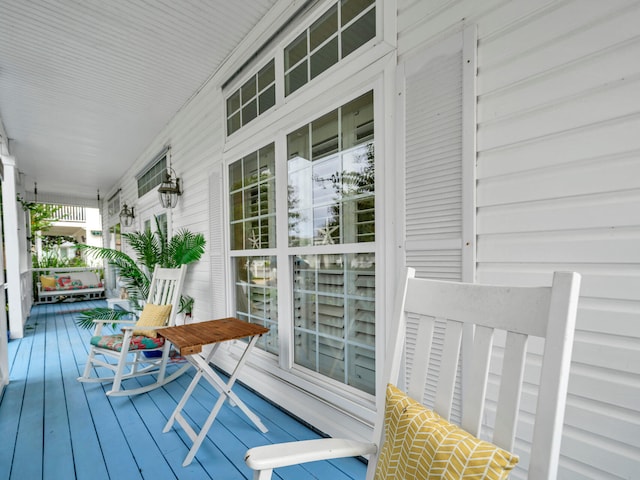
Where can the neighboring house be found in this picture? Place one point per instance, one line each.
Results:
(493, 141)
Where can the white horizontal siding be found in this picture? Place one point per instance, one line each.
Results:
(558, 188)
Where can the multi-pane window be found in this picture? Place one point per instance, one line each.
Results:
(150, 178)
(252, 187)
(345, 27)
(331, 203)
(253, 98)
(113, 205)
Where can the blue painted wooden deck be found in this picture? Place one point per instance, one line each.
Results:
(53, 427)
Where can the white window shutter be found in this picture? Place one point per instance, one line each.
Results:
(438, 171)
(216, 246)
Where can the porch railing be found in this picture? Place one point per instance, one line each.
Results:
(68, 213)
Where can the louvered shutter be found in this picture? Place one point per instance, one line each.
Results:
(216, 246)
(432, 87)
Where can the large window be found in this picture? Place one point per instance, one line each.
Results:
(345, 27)
(331, 203)
(329, 249)
(252, 190)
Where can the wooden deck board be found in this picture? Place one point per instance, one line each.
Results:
(55, 427)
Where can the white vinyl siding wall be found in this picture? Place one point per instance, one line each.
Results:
(559, 189)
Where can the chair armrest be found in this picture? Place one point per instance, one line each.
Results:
(268, 457)
(114, 321)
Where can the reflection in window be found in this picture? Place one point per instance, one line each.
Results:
(334, 315)
(331, 177)
(350, 23)
(252, 200)
(257, 296)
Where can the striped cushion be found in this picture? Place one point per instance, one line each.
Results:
(138, 342)
(419, 444)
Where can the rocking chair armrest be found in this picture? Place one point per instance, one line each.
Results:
(145, 327)
(268, 457)
(103, 321)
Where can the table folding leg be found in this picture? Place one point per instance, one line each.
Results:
(205, 370)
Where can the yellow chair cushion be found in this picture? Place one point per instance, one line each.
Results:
(152, 316)
(420, 444)
(47, 282)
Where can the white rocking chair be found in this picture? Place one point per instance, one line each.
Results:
(129, 348)
(480, 312)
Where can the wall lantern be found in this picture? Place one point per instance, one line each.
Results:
(126, 216)
(169, 189)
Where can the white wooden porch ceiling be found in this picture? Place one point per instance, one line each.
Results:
(85, 85)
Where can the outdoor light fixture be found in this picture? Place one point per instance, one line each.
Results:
(169, 189)
(126, 216)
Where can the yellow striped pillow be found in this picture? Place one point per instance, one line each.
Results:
(419, 444)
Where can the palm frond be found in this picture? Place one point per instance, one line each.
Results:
(186, 247)
(86, 318)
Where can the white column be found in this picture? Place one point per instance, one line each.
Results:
(12, 246)
(4, 348)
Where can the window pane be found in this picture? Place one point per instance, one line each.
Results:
(359, 32)
(295, 51)
(267, 99)
(324, 58)
(233, 124)
(334, 316)
(323, 28)
(324, 135)
(248, 90)
(266, 76)
(256, 296)
(351, 8)
(233, 102)
(249, 112)
(296, 78)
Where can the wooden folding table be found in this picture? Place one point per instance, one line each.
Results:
(190, 339)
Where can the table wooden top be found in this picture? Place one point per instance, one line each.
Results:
(190, 339)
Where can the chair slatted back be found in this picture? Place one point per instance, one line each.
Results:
(494, 323)
(166, 287)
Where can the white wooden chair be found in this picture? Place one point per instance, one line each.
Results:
(479, 312)
(127, 349)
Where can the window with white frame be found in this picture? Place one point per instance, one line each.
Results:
(340, 31)
(252, 194)
(330, 244)
(253, 98)
(151, 176)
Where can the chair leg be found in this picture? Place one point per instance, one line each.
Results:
(89, 364)
(262, 474)
(122, 362)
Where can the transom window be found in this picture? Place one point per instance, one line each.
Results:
(344, 28)
(253, 98)
(152, 176)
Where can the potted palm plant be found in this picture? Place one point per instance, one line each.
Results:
(151, 249)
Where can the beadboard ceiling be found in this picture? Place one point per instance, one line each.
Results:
(85, 85)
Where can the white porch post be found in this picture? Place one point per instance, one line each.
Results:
(12, 247)
(4, 348)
